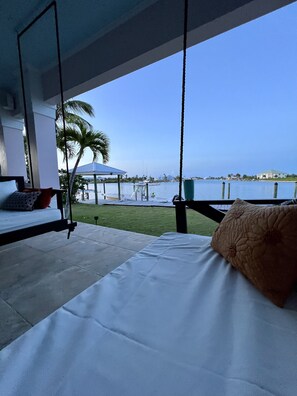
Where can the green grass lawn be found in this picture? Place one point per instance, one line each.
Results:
(146, 220)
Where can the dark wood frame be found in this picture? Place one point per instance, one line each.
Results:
(19, 181)
(204, 207)
(28, 232)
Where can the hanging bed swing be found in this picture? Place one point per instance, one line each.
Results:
(175, 319)
(20, 221)
(17, 224)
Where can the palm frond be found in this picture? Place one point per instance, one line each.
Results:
(71, 108)
(70, 146)
(76, 119)
(100, 145)
(78, 106)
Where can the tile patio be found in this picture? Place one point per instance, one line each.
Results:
(40, 274)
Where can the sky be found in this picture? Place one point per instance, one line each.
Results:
(241, 106)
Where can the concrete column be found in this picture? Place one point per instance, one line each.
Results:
(43, 149)
(41, 134)
(12, 150)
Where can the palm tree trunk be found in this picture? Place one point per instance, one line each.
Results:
(73, 174)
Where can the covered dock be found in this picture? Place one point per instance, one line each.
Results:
(95, 169)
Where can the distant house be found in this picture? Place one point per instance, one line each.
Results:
(271, 174)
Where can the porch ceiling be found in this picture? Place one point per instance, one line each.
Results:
(103, 40)
(81, 21)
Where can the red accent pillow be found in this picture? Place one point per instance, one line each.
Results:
(44, 199)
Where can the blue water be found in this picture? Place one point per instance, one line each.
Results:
(204, 189)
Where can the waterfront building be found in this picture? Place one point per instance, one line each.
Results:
(271, 174)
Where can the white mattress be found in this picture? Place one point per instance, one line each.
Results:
(14, 220)
(175, 320)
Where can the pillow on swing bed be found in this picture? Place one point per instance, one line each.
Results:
(261, 242)
(6, 189)
(44, 199)
(21, 201)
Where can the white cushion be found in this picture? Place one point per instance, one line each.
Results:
(6, 189)
(12, 220)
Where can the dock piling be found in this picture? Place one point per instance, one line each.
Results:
(275, 190)
(223, 190)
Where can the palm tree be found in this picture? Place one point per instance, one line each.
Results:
(82, 137)
(72, 111)
(79, 135)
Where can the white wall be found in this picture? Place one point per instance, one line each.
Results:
(12, 151)
(41, 134)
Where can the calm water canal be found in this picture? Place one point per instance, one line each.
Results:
(204, 189)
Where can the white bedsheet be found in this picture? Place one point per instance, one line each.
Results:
(175, 320)
(14, 220)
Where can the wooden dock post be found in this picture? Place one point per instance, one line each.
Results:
(147, 191)
(228, 190)
(223, 190)
(295, 191)
(104, 189)
(119, 187)
(134, 191)
(275, 190)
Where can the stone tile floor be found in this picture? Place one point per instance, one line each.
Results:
(40, 274)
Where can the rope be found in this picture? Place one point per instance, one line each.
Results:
(182, 123)
(54, 3)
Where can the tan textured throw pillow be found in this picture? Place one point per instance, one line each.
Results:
(261, 242)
